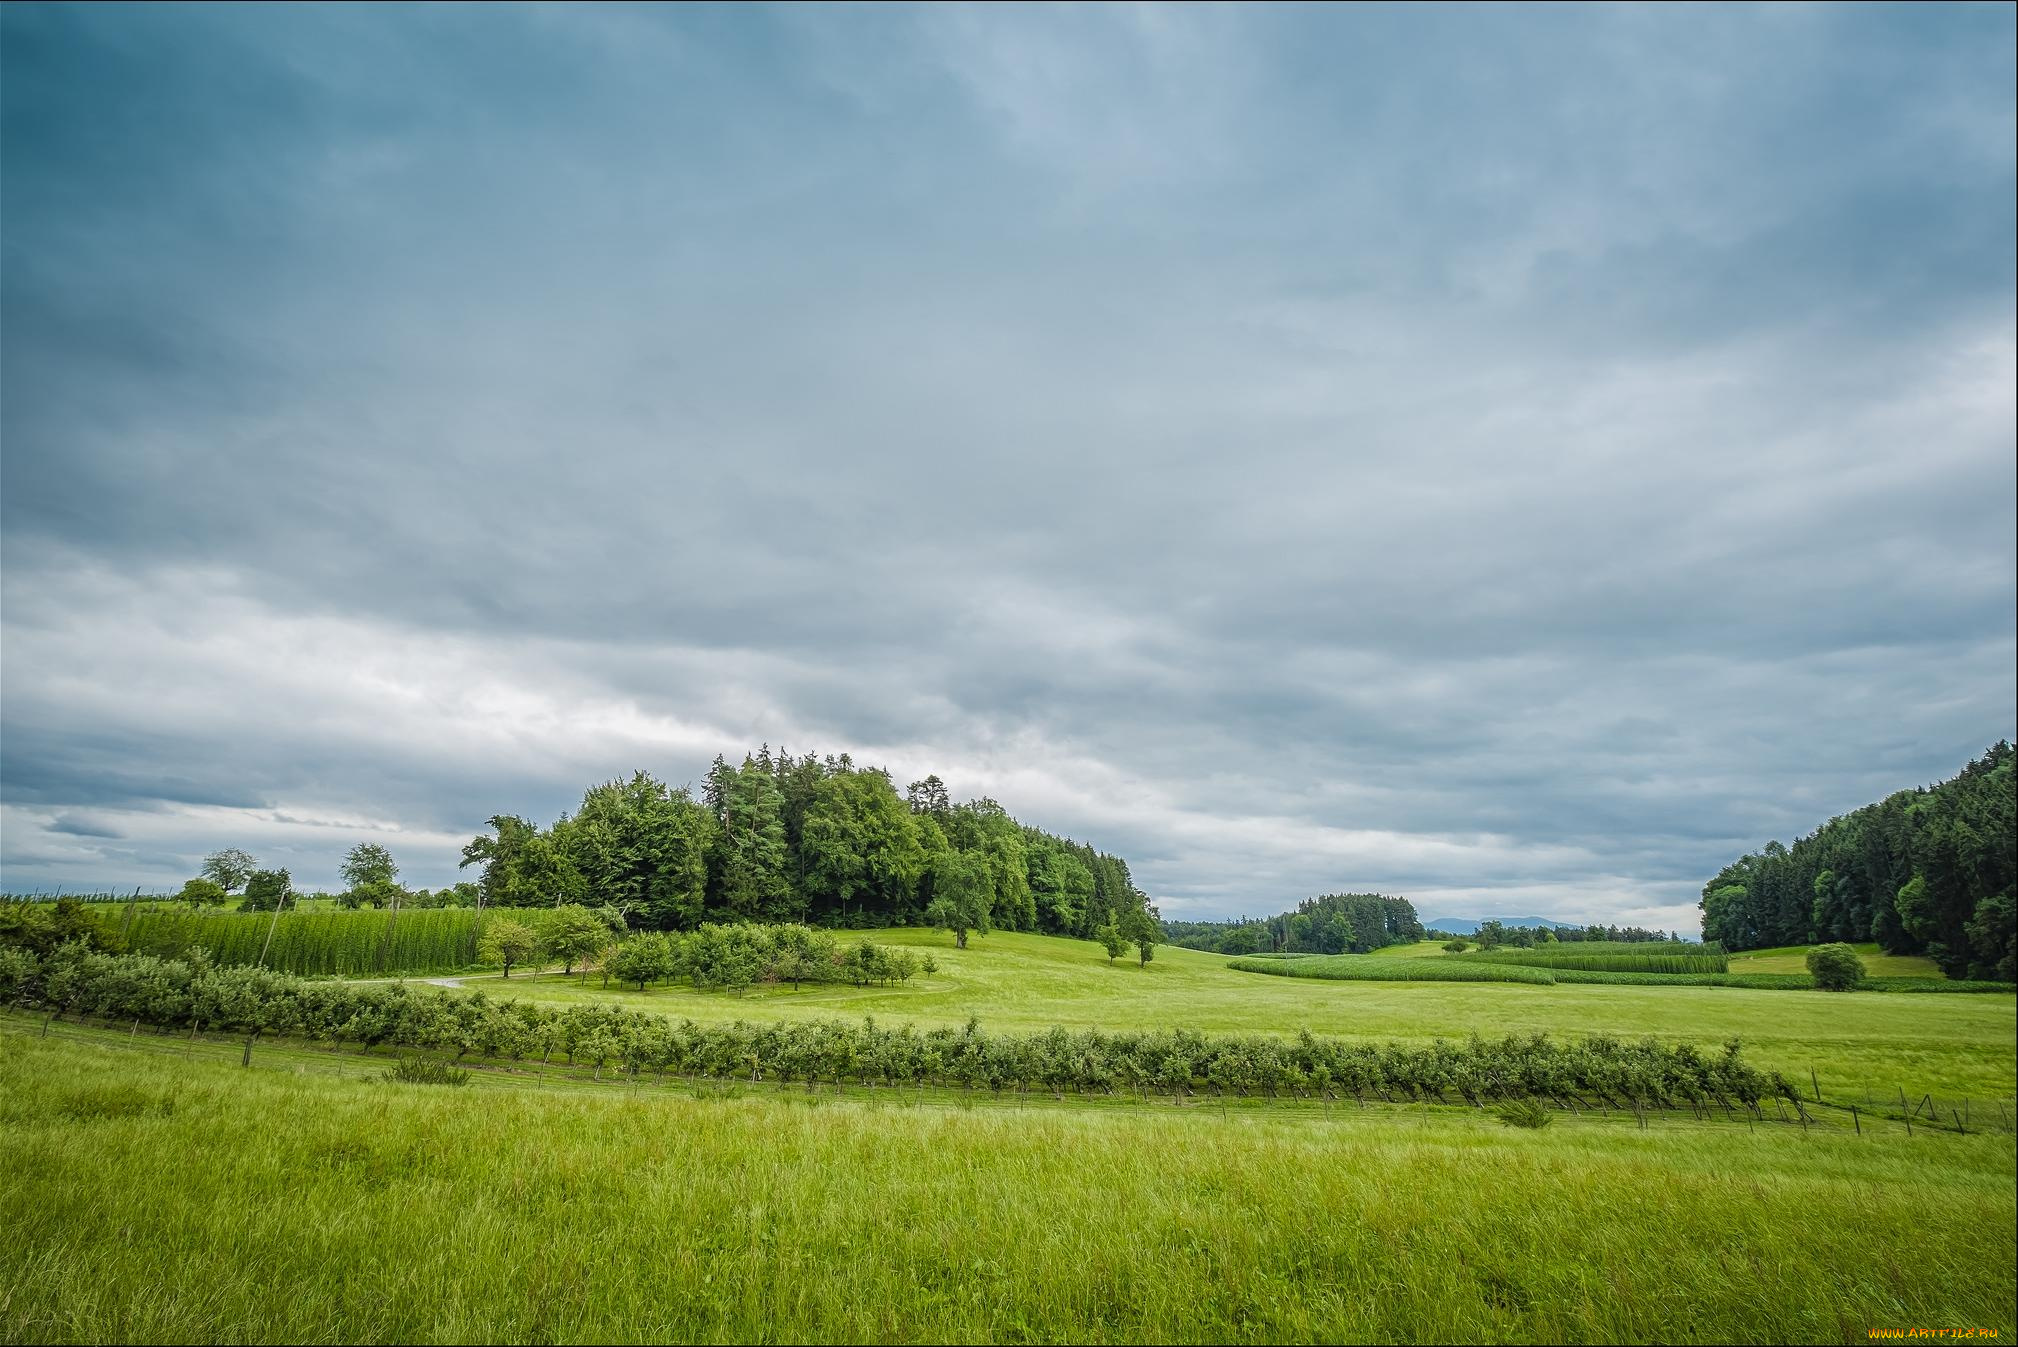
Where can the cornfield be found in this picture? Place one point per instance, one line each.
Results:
(1604, 961)
(1372, 968)
(344, 944)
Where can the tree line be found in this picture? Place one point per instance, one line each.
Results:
(776, 838)
(255, 1002)
(1925, 871)
(1496, 934)
(821, 841)
(1333, 923)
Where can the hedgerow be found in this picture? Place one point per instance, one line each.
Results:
(198, 995)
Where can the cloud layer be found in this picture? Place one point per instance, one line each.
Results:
(1516, 459)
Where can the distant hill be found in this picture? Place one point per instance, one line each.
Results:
(1470, 925)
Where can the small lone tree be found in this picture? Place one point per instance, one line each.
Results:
(228, 869)
(642, 959)
(368, 866)
(507, 942)
(1111, 940)
(267, 890)
(1144, 931)
(963, 893)
(201, 893)
(1836, 968)
(575, 936)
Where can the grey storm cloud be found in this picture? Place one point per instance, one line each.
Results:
(1516, 458)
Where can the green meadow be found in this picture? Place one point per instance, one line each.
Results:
(1858, 1042)
(150, 1196)
(153, 1189)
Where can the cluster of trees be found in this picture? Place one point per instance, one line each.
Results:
(731, 957)
(1494, 934)
(371, 879)
(40, 928)
(226, 872)
(195, 995)
(1928, 871)
(822, 841)
(1335, 923)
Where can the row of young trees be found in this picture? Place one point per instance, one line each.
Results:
(729, 957)
(1931, 870)
(1335, 923)
(255, 1002)
(780, 838)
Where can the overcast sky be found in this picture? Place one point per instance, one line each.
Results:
(1515, 459)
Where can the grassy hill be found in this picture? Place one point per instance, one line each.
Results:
(1877, 964)
(1959, 1045)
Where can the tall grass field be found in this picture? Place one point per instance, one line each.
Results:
(152, 1198)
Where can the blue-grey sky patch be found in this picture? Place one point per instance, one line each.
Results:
(1519, 458)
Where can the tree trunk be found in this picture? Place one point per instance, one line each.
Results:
(246, 1060)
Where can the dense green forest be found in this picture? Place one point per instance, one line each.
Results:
(1926, 871)
(1334, 923)
(803, 839)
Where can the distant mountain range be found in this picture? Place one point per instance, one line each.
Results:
(1470, 925)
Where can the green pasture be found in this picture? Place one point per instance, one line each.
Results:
(1949, 1045)
(152, 1197)
(1794, 959)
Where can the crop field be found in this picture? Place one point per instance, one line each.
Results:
(1373, 968)
(360, 1209)
(421, 940)
(1645, 960)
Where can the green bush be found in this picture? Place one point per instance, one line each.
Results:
(427, 1071)
(1456, 947)
(1526, 1113)
(1835, 968)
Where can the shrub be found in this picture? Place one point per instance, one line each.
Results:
(427, 1071)
(1835, 968)
(1456, 947)
(201, 893)
(1526, 1113)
